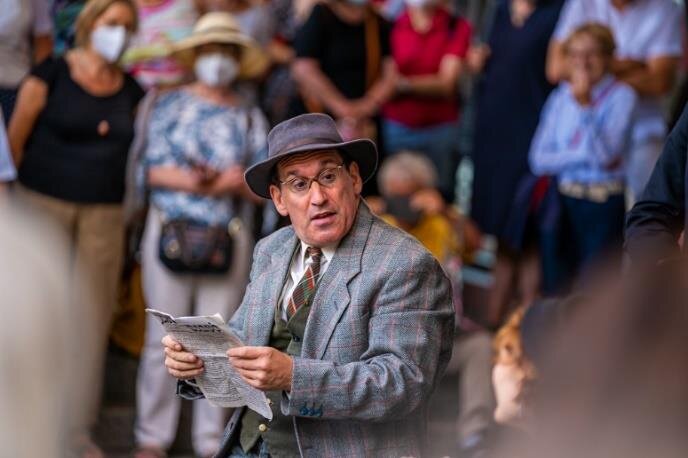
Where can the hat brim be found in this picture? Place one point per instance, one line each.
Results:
(362, 151)
(254, 62)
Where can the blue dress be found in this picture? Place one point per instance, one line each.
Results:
(509, 97)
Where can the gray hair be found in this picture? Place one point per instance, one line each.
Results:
(407, 165)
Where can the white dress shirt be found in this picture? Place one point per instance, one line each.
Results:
(297, 268)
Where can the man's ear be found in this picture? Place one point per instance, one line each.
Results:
(355, 175)
(276, 195)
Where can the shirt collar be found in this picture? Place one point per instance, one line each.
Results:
(327, 250)
(601, 86)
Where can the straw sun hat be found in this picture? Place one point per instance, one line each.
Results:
(222, 28)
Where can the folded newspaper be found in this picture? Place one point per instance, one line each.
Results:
(209, 338)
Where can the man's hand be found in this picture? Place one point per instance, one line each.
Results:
(180, 364)
(265, 368)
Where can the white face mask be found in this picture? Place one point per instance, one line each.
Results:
(216, 70)
(109, 41)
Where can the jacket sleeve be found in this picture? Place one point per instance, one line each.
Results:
(409, 344)
(656, 221)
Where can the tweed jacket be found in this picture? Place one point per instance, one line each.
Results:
(377, 341)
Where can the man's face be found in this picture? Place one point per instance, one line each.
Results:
(320, 215)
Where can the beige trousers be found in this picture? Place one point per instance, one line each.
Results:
(157, 405)
(96, 238)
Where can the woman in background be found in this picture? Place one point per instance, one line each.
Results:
(510, 94)
(201, 138)
(583, 141)
(343, 65)
(428, 46)
(70, 135)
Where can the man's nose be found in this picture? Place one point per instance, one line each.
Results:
(317, 194)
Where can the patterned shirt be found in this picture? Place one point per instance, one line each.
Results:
(580, 143)
(185, 131)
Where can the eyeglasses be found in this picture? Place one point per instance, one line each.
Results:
(584, 53)
(326, 178)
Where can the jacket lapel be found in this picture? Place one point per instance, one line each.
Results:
(263, 312)
(332, 296)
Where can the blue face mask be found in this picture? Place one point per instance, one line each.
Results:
(358, 2)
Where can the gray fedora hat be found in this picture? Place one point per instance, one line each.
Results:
(308, 132)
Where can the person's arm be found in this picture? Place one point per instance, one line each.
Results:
(556, 68)
(572, 15)
(310, 47)
(477, 58)
(441, 84)
(231, 182)
(547, 156)
(31, 100)
(655, 222)
(42, 31)
(308, 75)
(42, 47)
(176, 178)
(654, 79)
(409, 336)
(379, 93)
(621, 67)
(605, 136)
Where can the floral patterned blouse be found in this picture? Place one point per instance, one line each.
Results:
(186, 130)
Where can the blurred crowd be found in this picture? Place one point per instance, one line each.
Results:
(514, 136)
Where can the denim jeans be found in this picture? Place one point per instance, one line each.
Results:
(439, 143)
(589, 231)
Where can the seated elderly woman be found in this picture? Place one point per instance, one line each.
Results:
(410, 201)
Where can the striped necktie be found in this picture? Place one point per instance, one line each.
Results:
(305, 288)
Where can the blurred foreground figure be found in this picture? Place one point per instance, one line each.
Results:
(655, 223)
(44, 344)
(70, 135)
(612, 382)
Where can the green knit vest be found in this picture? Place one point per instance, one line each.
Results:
(278, 433)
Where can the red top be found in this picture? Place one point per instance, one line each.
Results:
(420, 54)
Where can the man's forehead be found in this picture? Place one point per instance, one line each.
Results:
(309, 159)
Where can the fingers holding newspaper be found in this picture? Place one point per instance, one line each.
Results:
(265, 368)
(180, 363)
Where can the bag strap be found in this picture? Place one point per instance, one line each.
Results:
(135, 196)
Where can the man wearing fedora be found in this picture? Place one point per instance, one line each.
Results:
(347, 321)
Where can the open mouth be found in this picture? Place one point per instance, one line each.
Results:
(322, 216)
